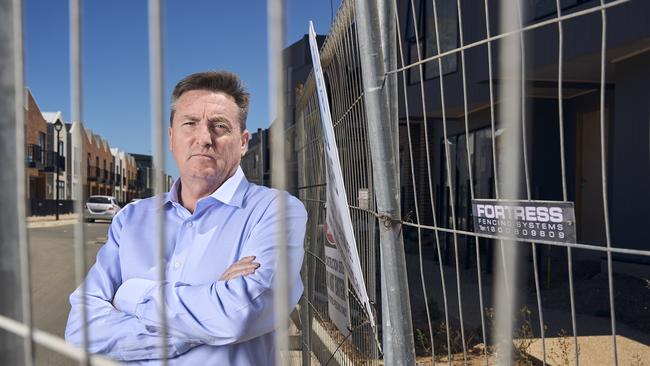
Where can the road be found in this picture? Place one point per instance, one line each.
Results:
(52, 279)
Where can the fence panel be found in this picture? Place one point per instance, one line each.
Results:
(488, 111)
(341, 68)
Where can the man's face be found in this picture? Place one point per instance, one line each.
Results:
(205, 137)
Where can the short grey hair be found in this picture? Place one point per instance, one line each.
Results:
(217, 81)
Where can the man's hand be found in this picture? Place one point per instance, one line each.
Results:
(243, 267)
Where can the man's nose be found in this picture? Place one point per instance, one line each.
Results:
(203, 134)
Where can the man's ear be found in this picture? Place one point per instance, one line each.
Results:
(169, 135)
(245, 136)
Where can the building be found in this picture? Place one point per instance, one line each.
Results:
(143, 180)
(103, 170)
(36, 149)
(124, 169)
(58, 143)
(98, 162)
(627, 75)
(43, 156)
(144, 176)
(256, 162)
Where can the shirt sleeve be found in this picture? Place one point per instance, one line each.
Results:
(114, 333)
(227, 312)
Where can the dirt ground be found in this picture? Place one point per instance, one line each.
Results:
(591, 294)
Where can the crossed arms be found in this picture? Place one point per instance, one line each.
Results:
(123, 317)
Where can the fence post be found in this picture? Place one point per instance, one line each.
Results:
(397, 333)
(13, 233)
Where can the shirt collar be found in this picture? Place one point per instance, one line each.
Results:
(227, 193)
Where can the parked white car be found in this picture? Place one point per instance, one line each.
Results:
(101, 208)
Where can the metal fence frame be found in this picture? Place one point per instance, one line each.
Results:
(342, 60)
(512, 112)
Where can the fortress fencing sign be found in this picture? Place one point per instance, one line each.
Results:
(529, 220)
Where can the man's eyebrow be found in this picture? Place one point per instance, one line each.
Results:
(219, 119)
(190, 117)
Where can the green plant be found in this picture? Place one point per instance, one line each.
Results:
(424, 341)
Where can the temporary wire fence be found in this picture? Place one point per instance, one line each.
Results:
(539, 126)
(341, 68)
(18, 336)
(505, 100)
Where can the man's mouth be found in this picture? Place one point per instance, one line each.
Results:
(202, 156)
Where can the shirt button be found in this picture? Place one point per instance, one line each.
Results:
(190, 224)
(177, 265)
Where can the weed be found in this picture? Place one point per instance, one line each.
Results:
(523, 336)
(637, 360)
(424, 341)
(561, 354)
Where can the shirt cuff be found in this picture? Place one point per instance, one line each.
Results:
(132, 293)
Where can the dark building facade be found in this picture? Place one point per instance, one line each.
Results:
(144, 177)
(627, 114)
(256, 162)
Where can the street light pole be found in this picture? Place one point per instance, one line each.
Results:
(57, 126)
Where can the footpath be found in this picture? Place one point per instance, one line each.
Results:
(50, 221)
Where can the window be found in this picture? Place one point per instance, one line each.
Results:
(426, 35)
(41, 145)
(543, 8)
(61, 189)
(98, 199)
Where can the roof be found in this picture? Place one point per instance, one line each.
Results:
(51, 117)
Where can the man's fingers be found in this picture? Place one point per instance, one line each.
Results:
(235, 274)
(243, 267)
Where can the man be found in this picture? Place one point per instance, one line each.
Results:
(221, 234)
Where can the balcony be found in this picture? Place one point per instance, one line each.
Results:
(52, 161)
(92, 173)
(103, 176)
(34, 156)
(44, 160)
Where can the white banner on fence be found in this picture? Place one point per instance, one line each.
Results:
(338, 214)
(337, 288)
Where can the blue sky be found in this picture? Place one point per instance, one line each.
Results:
(199, 35)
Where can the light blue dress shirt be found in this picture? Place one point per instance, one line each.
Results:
(210, 322)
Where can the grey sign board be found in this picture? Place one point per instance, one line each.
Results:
(528, 220)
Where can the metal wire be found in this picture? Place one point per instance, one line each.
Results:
(603, 162)
(156, 80)
(341, 63)
(23, 247)
(501, 35)
(277, 101)
(449, 179)
(77, 116)
(471, 176)
(524, 145)
(430, 180)
(415, 194)
(560, 102)
(53, 342)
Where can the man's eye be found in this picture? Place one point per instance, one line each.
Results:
(189, 123)
(222, 127)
